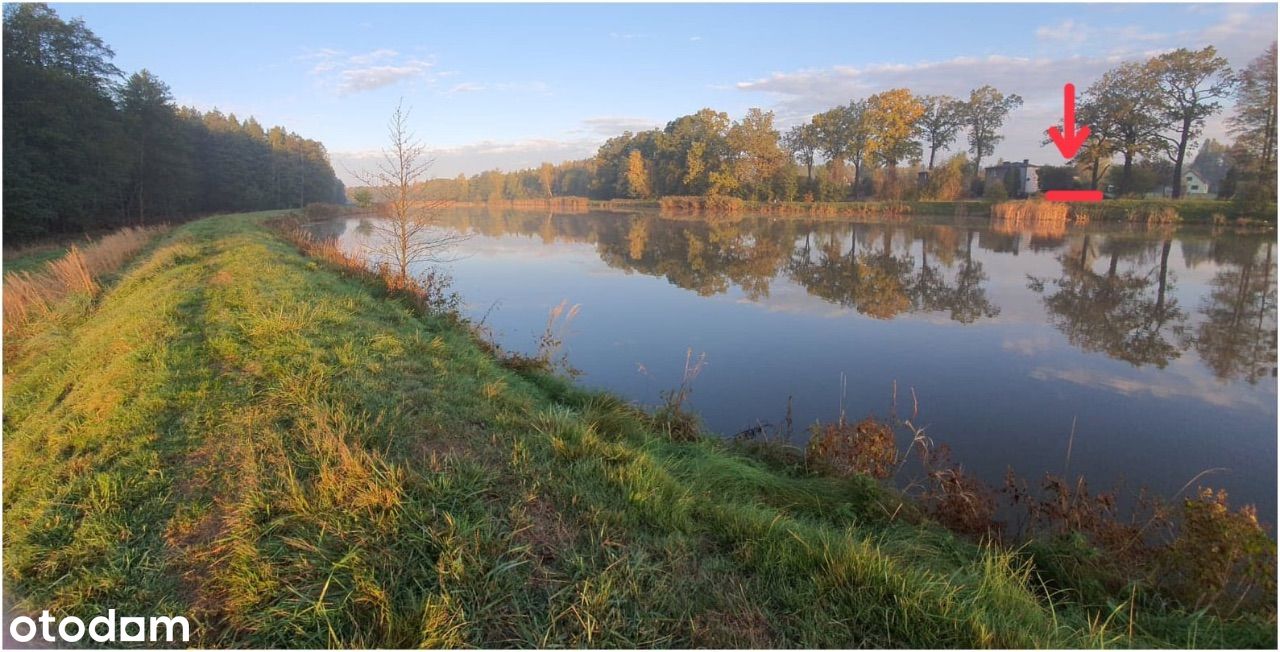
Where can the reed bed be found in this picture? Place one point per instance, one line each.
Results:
(1030, 212)
(568, 204)
(1154, 215)
(29, 294)
(709, 204)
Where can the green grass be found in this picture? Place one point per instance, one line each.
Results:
(29, 258)
(1190, 211)
(244, 436)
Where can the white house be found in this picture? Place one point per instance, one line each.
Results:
(1194, 185)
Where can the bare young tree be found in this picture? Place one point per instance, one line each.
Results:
(408, 235)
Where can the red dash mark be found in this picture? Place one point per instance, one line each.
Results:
(1073, 195)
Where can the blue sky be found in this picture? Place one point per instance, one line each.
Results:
(511, 85)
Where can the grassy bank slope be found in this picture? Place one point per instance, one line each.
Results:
(236, 433)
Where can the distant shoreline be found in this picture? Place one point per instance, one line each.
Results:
(1187, 211)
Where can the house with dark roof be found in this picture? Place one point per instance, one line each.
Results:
(1021, 179)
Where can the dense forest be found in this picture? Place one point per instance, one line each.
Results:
(1146, 117)
(86, 147)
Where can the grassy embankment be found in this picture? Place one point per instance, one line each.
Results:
(237, 433)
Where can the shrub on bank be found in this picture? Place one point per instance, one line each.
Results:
(1101, 547)
(845, 449)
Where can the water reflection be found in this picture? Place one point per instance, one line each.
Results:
(1127, 315)
(1113, 293)
(1160, 343)
(1237, 338)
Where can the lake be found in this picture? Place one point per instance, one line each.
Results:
(1158, 346)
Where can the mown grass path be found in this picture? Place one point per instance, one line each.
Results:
(238, 434)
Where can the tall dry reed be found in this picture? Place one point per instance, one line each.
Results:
(1030, 212)
(1154, 215)
(30, 294)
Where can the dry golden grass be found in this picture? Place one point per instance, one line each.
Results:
(72, 272)
(1030, 212)
(28, 294)
(1154, 215)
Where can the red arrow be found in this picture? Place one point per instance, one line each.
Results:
(1070, 142)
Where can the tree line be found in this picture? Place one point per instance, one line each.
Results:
(1151, 113)
(1147, 115)
(86, 147)
(848, 152)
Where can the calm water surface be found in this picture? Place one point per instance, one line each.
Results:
(1160, 346)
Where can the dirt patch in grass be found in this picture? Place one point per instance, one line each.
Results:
(435, 451)
(745, 628)
(221, 279)
(193, 543)
(544, 529)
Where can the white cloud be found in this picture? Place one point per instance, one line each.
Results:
(1196, 386)
(347, 74)
(500, 87)
(1027, 346)
(476, 157)
(610, 126)
(1240, 35)
(1068, 31)
(358, 80)
(466, 87)
(374, 56)
(1074, 37)
(814, 90)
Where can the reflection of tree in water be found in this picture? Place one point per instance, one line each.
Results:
(1126, 315)
(331, 229)
(872, 282)
(883, 280)
(706, 257)
(1237, 338)
(880, 283)
(826, 276)
(709, 257)
(637, 238)
(965, 299)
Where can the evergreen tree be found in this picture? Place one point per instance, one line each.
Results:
(84, 151)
